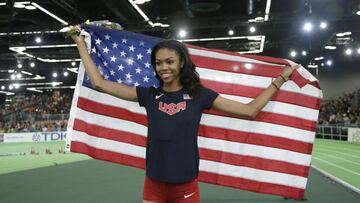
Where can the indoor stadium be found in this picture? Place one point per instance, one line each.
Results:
(170, 101)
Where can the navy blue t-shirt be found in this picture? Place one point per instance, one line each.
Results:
(173, 120)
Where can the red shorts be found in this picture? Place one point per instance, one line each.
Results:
(161, 192)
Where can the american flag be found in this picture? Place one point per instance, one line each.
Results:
(270, 154)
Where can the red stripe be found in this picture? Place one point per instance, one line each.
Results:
(259, 58)
(206, 131)
(106, 155)
(111, 111)
(251, 185)
(108, 133)
(254, 162)
(236, 67)
(252, 92)
(272, 118)
(275, 61)
(255, 139)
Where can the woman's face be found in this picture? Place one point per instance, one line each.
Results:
(168, 65)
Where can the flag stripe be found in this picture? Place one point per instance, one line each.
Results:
(255, 81)
(254, 162)
(255, 139)
(107, 155)
(253, 174)
(109, 145)
(254, 150)
(251, 185)
(109, 133)
(237, 66)
(280, 108)
(273, 118)
(230, 56)
(252, 92)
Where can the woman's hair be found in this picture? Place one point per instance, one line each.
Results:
(189, 78)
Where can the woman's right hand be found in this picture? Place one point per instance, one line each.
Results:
(76, 37)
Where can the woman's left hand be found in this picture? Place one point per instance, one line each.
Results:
(288, 70)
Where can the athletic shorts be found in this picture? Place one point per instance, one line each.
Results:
(161, 192)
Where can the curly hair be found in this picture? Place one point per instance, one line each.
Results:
(189, 78)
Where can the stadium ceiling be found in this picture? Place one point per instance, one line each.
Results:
(278, 23)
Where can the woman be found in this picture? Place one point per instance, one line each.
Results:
(174, 111)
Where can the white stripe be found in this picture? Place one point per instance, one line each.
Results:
(281, 108)
(110, 100)
(258, 127)
(109, 145)
(272, 106)
(253, 174)
(112, 123)
(255, 151)
(255, 81)
(221, 56)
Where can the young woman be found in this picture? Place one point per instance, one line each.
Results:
(174, 111)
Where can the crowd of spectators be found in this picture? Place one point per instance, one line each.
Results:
(45, 113)
(344, 110)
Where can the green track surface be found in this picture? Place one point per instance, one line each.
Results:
(339, 158)
(89, 180)
(16, 162)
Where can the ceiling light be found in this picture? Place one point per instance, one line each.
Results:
(11, 87)
(73, 63)
(13, 76)
(38, 40)
(322, 64)
(319, 58)
(32, 64)
(18, 5)
(358, 51)
(308, 27)
(55, 75)
(30, 7)
(19, 65)
(2, 87)
(252, 29)
(182, 33)
(329, 62)
(18, 75)
(293, 53)
(53, 84)
(231, 32)
(304, 53)
(49, 13)
(348, 51)
(358, 13)
(342, 34)
(16, 85)
(140, 1)
(66, 73)
(323, 25)
(330, 47)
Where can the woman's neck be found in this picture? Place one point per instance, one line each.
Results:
(172, 87)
